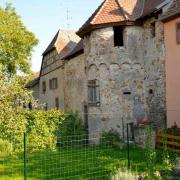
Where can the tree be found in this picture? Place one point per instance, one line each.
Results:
(15, 118)
(13, 96)
(16, 42)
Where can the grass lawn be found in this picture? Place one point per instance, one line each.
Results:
(85, 162)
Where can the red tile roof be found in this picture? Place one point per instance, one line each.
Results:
(172, 12)
(118, 11)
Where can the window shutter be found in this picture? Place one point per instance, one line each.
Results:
(56, 83)
(178, 33)
(93, 92)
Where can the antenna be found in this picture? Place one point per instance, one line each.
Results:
(68, 18)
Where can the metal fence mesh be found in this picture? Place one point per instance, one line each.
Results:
(82, 157)
(74, 158)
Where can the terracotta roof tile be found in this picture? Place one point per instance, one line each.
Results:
(116, 11)
(109, 12)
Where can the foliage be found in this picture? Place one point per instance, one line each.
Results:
(150, 150)
(123, 174)
(15, 119)
(107, 138)
(5, 148)
(72, 129)
(13, 97)
(166, 158)
(16, 42)
(41, 128)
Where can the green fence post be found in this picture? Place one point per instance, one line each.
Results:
(25, 158)
(128, 146)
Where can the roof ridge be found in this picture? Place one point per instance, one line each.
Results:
(52, 43)
(121, 10)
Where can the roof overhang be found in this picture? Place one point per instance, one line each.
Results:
(170, 16)
(93, 27)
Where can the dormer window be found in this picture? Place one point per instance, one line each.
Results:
(118, 36)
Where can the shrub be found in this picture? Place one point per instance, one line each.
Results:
(108, 138)
(5, 147)
(150, 150)
(42, 127)
(71, 130)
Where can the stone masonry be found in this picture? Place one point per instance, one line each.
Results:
(136, 68)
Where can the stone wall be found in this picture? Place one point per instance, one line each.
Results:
(35, 91)
(72, 86)
(50, 94)
(154, 57)
(137, 67)
(75, 87)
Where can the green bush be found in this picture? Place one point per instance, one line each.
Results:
(46, 130)
(5, 147)
(71, 130)
(108, 138)
(42, 127)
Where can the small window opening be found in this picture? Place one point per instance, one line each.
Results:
(150, 91)
(153, 29)
(118, 36)
(44, 86)
(57, 102)
(126, 92)
(178, 33)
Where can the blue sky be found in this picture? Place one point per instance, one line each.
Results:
(45, 17)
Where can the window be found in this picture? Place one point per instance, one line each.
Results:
(46, 107)
(153, 29)
(93, 92)
(43, 86)
(118, 36)
(151, 91)
(57, 102)
(53, 83)
(178, 33)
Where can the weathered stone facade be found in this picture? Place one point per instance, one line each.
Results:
(53, 67)
(131, 77)
(75, 86)
(136, 68)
